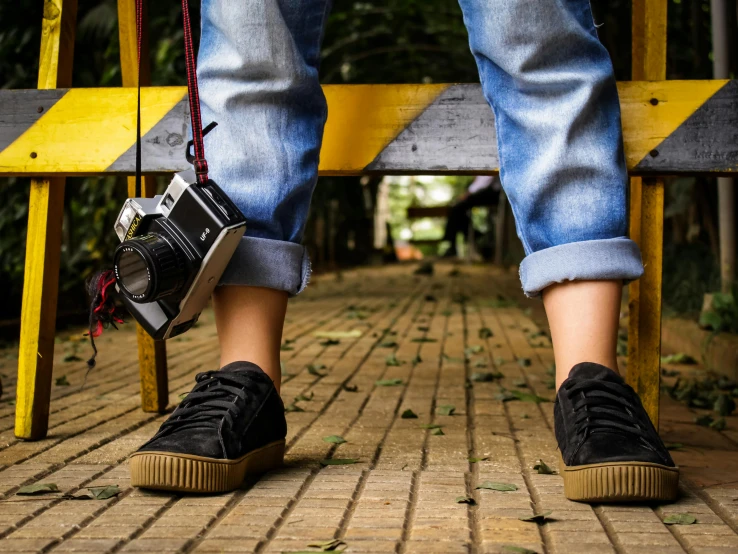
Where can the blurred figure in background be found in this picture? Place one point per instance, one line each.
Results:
(483, 191)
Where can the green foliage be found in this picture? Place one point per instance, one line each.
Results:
(723, 312)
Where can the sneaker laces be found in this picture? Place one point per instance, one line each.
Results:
(604, 406)
(217, 396)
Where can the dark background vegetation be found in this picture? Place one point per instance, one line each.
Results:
(382, 41)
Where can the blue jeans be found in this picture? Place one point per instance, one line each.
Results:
(543, 71)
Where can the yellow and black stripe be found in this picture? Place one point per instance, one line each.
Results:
(669, 127)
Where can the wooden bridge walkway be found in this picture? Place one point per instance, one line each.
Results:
(395, 342)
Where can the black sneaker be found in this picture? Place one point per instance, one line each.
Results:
(610, 451)
(231, 424)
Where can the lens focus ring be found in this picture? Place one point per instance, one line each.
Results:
(149, 267)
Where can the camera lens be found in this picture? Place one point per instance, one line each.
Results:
(133, 272)
(149, 267)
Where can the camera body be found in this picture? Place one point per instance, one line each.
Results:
(174, 248)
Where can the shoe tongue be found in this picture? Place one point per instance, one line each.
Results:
(591, 370)
(239, 367)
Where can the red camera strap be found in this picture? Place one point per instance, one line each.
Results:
(199, 162)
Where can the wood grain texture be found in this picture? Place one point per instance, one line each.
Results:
(152, 355)
(647, 221)
(43, 243)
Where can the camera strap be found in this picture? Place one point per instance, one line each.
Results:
(198, 159)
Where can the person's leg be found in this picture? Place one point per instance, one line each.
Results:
(551, 86)
(258, 71)
(258, 74)
(249, 321)
(456, 222)
(570, 304)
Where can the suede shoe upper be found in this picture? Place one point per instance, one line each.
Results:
(228, 414)
(598, 418)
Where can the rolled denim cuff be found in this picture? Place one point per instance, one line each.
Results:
(273, 264)
(590, 260)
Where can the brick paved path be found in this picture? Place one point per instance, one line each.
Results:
(429, 335)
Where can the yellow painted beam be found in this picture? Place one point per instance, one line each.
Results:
(87, 130)
(647, 219)
(43, 244)
(364, 119)
(152, 355)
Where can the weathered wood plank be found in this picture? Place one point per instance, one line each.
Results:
(647, 218)
(152, 355)
(43, 244)
(669, 127)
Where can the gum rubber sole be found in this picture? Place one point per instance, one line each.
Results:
(188, 473)
(620, 482)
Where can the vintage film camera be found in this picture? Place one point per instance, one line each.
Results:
(174, 248)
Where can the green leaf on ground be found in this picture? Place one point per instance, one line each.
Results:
(304, 397)
(499, 361)
(477, 460)
(96, 493)
(486, 377)
(409, 414)
(286, 347)
(469, 351)
(674, 445)
(512, 549)
(480, 364)
(446, 409)
(466, 500)
(334, 439)
(524, 416)
(355, 334)
(537, 518)
(438, 432)
(388, 344)
(430, 426)
(521, 383)
(524, 362)
(37, 488)
(680, 519)
(338, 461)
(424, 339)
(356, 314)
(485, 333)
(293, 408)
(543, 469)
(388, 382)
(719, 424)
(447, 313)
(329, 342)
(505, 396)
(423, 329)
(417, 359)
(679, 358)
(61, 381)
(351, 388)
(724, 405)
(528, 397)
(392, 360)
(71, 358)
(704, 420)
(328, 546)
(313, 369)
(494, 486)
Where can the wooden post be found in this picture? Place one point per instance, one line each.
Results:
(43, 245)
(152, 355)
(647, 221)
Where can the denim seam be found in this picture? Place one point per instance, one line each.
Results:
(619, 259)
